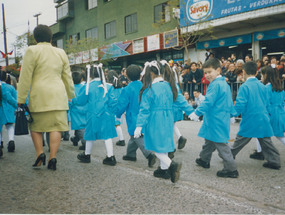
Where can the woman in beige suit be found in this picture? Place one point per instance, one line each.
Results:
(45, 76)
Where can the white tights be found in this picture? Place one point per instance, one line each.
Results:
(165, 161)
(119, 132)
(108, 145)
(176, 131)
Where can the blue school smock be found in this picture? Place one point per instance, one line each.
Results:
(117, 93)
(129, 102)
(252, 102)
(276, 110)
(77, 113)
(9, 104)
(156, 117)
(216, 110)
(177, 113)
(100, 111)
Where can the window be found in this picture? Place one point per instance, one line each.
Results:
(92, 33)
(161, 13)
(59, 43)
(74, 38)
(131, 24)
(62, 10)
(92, 4)
(110, 30)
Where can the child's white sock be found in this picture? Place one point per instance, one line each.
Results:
(258, 147)
(282, 139)
(109, 147)
(88, 147)
(119, 132)
(165, 161)
(176, 131)
(11, 130)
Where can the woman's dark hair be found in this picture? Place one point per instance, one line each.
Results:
(261, 62)
(167, 74)
(271, 76)
(42, 33)
(134, 72)
(94, 73)
(76, 76)
(113, 78)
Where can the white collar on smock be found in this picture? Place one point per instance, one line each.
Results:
(157, 79)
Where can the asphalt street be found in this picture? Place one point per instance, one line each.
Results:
(130, 187)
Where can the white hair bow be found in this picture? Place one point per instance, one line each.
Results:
(88, 78)
(104, 85)
(150, 64)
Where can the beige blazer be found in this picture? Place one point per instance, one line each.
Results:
(46, 73)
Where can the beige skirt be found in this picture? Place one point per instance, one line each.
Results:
(49, 121)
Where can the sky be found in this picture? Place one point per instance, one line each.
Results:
(17, 15)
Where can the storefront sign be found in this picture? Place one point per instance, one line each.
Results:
(225, 42)
(268, 35)
(115, 50)
(71, 59)
(153, 42)
(78, 58)
(138, 46)
(170, 39)
(94, 54)
(194, 11)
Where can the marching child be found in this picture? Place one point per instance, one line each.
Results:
(8, 104)
(9, 97)
(113, 79)
(129, 103)
(77, 114)
(252, 101)
(216, 110)
(101, 103)
(156, 118)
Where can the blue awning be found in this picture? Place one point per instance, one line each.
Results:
(267, 35)
(225, 42)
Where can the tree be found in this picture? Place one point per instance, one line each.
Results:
(187, 38)
(21, 43)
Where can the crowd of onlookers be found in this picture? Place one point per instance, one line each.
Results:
(192, 78)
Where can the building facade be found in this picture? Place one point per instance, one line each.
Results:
(124, 31)
(254, 27)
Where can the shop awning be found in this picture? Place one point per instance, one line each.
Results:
(225, 42)
(267, 35)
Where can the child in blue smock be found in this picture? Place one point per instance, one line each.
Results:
(101, 103)
(179, 105)
(77, 114)
(251, 102)
(129, 102)
(9, 106)
(113, 79)
(156, 119)
(275, 108)
(7, 101)
(216, 110)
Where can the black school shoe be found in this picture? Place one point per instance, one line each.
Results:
(128, 158)
(271, 166)
(174, 171)
(74, 140)
(257, 155)
(161, 173)
(171, 154)
(121, 143)
(11, 146)
(181, 142)
(84, 158)
(111, 161)
(227, 174)
(151, 160)
(202, 163)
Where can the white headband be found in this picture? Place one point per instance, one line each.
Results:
(150, 64)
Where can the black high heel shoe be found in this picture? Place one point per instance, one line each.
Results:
(52, 164)
(42, 157)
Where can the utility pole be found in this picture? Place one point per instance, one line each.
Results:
(37, 16)
(4, 33)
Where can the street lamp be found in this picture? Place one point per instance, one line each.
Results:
(37, 16)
